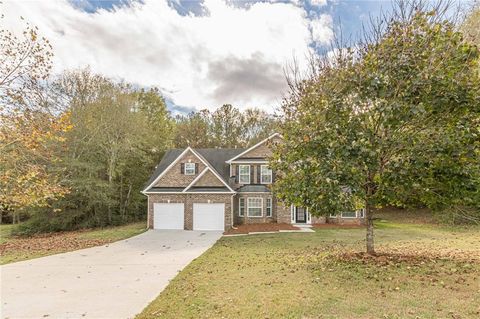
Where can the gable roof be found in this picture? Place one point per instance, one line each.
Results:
(213, 158)
(253, 147)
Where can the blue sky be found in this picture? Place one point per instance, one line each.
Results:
(199, 54)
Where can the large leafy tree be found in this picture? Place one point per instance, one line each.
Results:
(390, 121)
(119, 134)
(30, 122)
(471, 25)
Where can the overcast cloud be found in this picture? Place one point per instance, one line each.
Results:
(228, 55)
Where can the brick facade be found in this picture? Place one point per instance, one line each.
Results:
(284, 213)
(262, 151)
(209, 179)
(188, 200)
(238, 220)
(346, 221)
(174, 177)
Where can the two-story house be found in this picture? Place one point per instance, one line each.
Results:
(215, 189)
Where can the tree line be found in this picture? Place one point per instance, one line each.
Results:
(77, 147)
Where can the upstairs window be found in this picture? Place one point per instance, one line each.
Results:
(244, 174)
(265, 175)
(189, 168)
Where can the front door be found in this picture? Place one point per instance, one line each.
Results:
(300, 215)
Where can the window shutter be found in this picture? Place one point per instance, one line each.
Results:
(182, 168)
(196, 168)
(252, 174)
(259, 171)
(236, 174)
(273, 176)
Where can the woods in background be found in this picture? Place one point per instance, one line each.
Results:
(77, 148)
(226, 127)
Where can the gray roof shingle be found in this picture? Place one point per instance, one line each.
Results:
(216, 157)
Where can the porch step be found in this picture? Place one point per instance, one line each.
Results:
(302, 225)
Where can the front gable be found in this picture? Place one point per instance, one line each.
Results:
(259, 151)
(208, 179)
(262, 151)
(174, 176)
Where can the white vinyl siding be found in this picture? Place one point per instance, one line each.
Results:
(241, 207)
(255, 207)
(189, 168)
(244, 174)
(265, 174)
(269, 207)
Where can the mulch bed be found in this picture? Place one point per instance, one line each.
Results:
(248, 228)
(336, 226)
(50, 242)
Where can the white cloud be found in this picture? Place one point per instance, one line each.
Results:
(322, 32)
(230, 55)
(318, 3)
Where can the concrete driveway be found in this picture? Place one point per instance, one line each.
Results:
(113, 281)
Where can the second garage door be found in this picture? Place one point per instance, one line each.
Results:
(208, 216)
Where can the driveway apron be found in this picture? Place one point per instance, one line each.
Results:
(112, 281)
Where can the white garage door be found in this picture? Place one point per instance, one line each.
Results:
(168, 216)
(208, 216)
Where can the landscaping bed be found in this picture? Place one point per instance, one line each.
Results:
(15, 248)
(254, 228)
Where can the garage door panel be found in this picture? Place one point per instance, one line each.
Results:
(208, 216)
(168, 215)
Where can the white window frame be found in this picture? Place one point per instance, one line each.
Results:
(349, 217)
(240, 174)
(269, 207)
(261, 206)
(262, 175)
(361, 213)
(332, 216)
(240, 206)
(188, 171)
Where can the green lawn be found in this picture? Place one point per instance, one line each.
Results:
(14, 249)
(317, 275)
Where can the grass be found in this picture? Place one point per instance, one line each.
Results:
(13, 249)
(424, 271)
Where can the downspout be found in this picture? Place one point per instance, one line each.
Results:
(148, 211)
(232, 214)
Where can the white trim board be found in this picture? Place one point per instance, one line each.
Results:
(147, 193)
(207, 164)
(196, 179)
(200, 157)
(167, 169)
(253, 147)
(249, 162)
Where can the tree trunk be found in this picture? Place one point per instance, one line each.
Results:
(370, 236)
